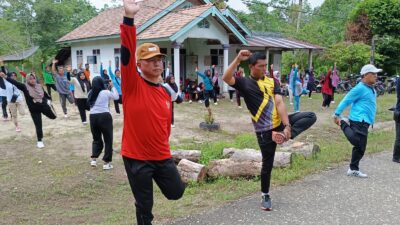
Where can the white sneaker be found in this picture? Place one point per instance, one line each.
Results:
(172, 125)
(40, 144)
(17, 129)
(93, 163)
(107, 166)
(291, 103)
(84, 123)
(240, 107)
(332, 102)
(356, 173)
(200, 101)
(231, 100)
(216, 103)
(65, 115)
(190, 101)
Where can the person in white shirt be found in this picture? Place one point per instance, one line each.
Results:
(15, 102)
(101, 123)
(82, 87)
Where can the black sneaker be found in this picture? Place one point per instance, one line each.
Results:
(266, 203)
(396, 160)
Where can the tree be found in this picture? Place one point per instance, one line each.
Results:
(350, 57)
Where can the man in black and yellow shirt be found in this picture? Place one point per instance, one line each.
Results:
(271, 122)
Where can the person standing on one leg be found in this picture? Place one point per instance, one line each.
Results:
(362, 99)
(327, 90)
(63, 86)
(297, 88)
(48, 78)
(15, 100)
(147, 121)
(209, 88)
(335, 82)
(311, 82)
(271, 122)
(101, 123)
(82, 88)
(116, 80)
(38, 102)
(396, 115)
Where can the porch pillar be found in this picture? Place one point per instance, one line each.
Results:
(177, 65)
(226, 64)
(267, 54)
(310, 61)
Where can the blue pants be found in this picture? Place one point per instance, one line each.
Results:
(296, 103)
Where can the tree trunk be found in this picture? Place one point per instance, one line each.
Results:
(305, 149)
(191, 171)
(192, 155)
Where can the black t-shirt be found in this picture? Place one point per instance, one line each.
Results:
(259, 97)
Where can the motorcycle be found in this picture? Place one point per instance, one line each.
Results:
(344, 86)
(380, 86)
(391, 84)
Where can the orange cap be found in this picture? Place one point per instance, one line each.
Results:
(147, 51)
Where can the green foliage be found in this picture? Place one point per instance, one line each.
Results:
(350, 57)
(41, 22)
(389, 46)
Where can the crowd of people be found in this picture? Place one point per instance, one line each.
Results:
(139, 87)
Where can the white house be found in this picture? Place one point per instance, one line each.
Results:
(190, 32)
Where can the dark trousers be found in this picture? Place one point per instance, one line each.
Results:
(49, 87)
(4, 106)
(327, 100)
(102, 124)
(141, 175)
(309, 93)
(172, 114)
(81, 103)
(207, 96)
(63, 100)
(333, 93)
(231, 94)
(116, 104)
(357, 134)
(396, 149)
(36, 114)
(300, 122)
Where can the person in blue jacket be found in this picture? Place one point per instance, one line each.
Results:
(116, 80)
(362, 99)
(209, 88)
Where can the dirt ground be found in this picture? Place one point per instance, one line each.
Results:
(47, 178)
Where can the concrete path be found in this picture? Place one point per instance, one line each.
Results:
(326, 198)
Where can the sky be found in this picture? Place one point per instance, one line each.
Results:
(235, 4)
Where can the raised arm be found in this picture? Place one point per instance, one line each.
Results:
(110, 72)
(53, 66)
(350, 98)
(129, 71)
(20, 71)
(228, 75)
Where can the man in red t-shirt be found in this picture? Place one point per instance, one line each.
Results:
(147, 121)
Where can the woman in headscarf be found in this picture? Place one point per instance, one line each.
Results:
(327, 90)
(38, 102)
(173, 88)
(101, 123)
(82, 88)
(297, 88)
(311, 82)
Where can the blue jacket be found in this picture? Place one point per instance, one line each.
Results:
(116, 80)
(207, 81)
(362, 99)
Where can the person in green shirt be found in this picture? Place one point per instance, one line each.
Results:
(48, 78)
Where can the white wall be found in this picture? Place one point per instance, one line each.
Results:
(106, 53)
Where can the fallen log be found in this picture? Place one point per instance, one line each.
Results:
(192, 155)
(281, 159)
(305, 149)
(232, 168)
(191, 171)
